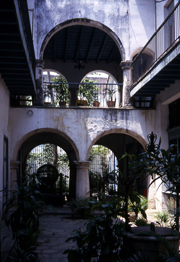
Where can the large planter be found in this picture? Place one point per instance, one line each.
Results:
(111, 103)
(140, 240)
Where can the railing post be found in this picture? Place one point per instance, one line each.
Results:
(126, 67)
(73, 89)
(39, 99)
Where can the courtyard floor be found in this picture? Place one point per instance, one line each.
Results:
(56, 226)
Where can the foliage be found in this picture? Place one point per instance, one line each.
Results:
(61, 87)
(166, 166)
(110, 91)
(102, 238)
(139, 257)
(96, 181)
(171, 254)
(21, 255)
(89, 91)
(126, 188)
(141, 222)
(98, 150)
(23, 220)
(163, 218)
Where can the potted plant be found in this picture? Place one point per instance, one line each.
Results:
(110, 91)
(87, 92)
(62, 91)
(95, 97)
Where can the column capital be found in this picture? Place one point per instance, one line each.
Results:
(14, 164)
(126, 64)
(82, 164)
(40, 63)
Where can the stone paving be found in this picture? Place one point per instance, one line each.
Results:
(56, 226)
(55, 230)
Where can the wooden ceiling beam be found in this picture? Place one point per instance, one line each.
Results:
(91, 45)
(102, 48)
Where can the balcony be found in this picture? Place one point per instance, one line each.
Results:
(158, 64)
(75, 95)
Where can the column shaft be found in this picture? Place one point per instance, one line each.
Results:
(82, 179)
(126, 67)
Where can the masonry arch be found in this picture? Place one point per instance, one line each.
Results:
(145, 60)
(85, 22)
(114, 132)
(43, 136)
(82, 40)
(121, 142)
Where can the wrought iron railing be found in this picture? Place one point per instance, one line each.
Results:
(165, 36)
(88, 94)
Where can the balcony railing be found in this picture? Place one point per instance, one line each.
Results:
(65, 94)
(165, 36)
(85, 94)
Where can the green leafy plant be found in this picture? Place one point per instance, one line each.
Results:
(21, 255)
(110, 91)
(102, 239)
(23, 220)
(139, 257)
(163, 218)
(88, 90)
(141, 222)
(62, 90)
(166, 166)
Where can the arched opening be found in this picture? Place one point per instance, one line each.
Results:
(55, 88)
(48, 148)
(103, 171)
(75, 49)
(141, 63)
(119, 144)
(51, 163)
(100, 88)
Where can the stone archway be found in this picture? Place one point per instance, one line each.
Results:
(121, 142)
(42, 136)
(86, 22)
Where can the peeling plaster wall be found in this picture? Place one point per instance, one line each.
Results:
(132, 21)
(4, 125)
(82, 126)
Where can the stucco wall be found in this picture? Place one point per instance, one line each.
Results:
(4, 128)
(82, 126)
(132, 21)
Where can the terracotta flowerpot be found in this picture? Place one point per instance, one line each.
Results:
(111, 103)
(82, 103)
(96, 103)
(62, 104)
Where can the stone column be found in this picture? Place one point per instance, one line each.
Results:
(39, 99)
(126, 67)
(82, 179)
(14, 165)
(73, 89)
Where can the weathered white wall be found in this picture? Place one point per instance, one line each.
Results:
(83, 126)
(141, 23)
(4, 125)
(132, 21)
